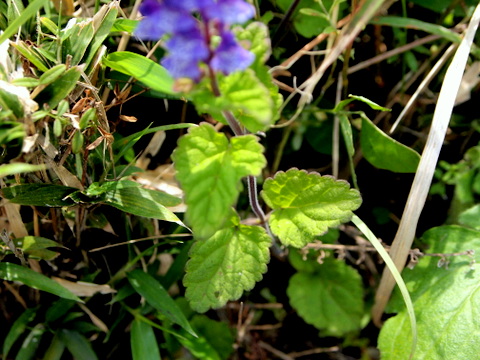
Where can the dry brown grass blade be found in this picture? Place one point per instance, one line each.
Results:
(423, 177)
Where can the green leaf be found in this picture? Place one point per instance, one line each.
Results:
(307, 204)
(217, 333)
(223, 266)
(13, 272)
(60, 88)
(143, 341)
(386, 153)
(471, 217)
(17, 329)
(25, 15)
(19, 168)
(102, 22)
(330, 297)
(31, 343)
(11, 101)
(52, 74)
(123, 145)
(37, 246)
(209, 169)
(243, 94)
(341, 105)
(55, 350)
(147, 71)
(158, 297)
(410, 23)
(144, 202)
(256, 38)
(124, 25)
(39, 195)
(306, 25)
(77, 344)
(445, 301)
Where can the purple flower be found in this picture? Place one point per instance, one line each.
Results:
(161, 17)
(182, 67)
(190, 5)
(190, 44)
(230, 56)
(229, 11)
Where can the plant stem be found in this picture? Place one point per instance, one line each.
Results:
(251, 180)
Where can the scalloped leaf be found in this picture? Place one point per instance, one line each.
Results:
(209, 169)
(257, 37)
(242, 93)
(446, 301)
(223, 266)
(306, 205)
(328, 296)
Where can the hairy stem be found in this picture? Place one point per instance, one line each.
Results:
(238, 130)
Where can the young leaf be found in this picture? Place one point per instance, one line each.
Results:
(37, 246)
(13, 272)
(386, 153)
(223, 266)
(307, 204)
(329, 296)
(158, 297)
(147, 71)
(243, 94)
(445, 301)
(209, 169)
(143, 342)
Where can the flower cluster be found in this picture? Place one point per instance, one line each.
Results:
(193, 27)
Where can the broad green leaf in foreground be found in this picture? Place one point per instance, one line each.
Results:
(223, 266)
(13, 272)
(210, 169)
(158, 297)
(328, 296)
(147, 71)
(386, 153)
(446, 301)
(307, 204)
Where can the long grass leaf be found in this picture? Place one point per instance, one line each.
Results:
(22, 19)
(396, 275)
(423, 177)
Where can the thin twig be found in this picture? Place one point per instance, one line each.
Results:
(388, 54)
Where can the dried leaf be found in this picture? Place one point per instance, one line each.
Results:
(81, 288)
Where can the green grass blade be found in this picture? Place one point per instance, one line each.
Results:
(22, 19)
(398, 278)
(13, 272)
